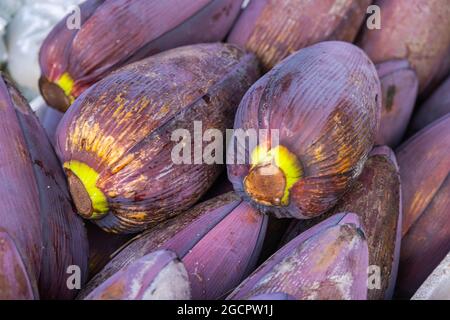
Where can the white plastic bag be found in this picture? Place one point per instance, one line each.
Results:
(25, 34)
(7, 9)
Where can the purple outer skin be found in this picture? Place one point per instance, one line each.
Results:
(276, 228)
(127, 31)
(426, 243)
(302, 97)
(399, 86)
(435, 107)
(263, 29)
(102, 247)
(297, 227)
(244, 25)
(15, 283)
(424, 162)
(347, 226)
(219, 245)
(427, 48)
(425, 172)
(272, 296)
(122, 285)
(57, 43)
(135, 111)
(50, 122)
(36, 210)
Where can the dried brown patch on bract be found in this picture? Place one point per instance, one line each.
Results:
(376, 199)
(390, 95)
(22, 151)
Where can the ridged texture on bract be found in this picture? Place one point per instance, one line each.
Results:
(376, 198)
(102, 247)
(218, 241)
(399, 86)
(272, 296)
(327, 262)
(325, 103)
(424, 162)
(114, 33)
(36, 212)
(15, 283)
(160, 275)
(435, 107)
(425, 43)
(274, 29)
(122, 128)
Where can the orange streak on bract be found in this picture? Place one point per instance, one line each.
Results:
(137, 216)
(114, 291)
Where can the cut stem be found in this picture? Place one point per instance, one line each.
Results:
(57, 95)
(272, 174)
(89, 200)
